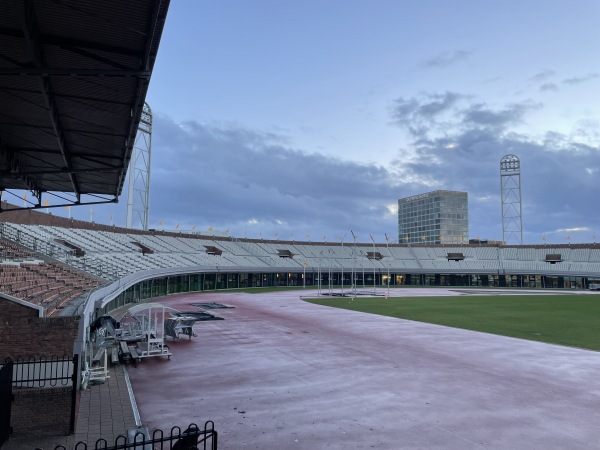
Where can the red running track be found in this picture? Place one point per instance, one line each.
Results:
(280, 373)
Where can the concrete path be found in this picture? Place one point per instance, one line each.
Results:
(281, 373)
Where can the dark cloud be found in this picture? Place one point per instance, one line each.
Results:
(542, 76)
(579, 80)
(449, 112)
(419, 114)
(548, 87)
(558, 182)
(446, 59)
(227, 176)
(480, 115)
(559, 175)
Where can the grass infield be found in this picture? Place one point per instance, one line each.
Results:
(572, 320)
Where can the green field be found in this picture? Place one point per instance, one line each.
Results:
(572, 320)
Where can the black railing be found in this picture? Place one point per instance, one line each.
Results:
(43, 372)
(192, 438)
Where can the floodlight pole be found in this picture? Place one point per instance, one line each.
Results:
(510, 195)
(139, 173)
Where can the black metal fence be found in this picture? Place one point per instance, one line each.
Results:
(192, 438)
(41, 372)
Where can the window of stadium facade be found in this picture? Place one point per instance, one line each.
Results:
(363, 279)
(438, 217)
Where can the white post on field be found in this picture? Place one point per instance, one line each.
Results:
(387, 243)
(353, 282)
(373, 260)
(342, 263)
(304, 275)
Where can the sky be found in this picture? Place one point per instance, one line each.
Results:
(309, 120)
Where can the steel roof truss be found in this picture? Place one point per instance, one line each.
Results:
(47, 72)
(70, 42)
(32, 38)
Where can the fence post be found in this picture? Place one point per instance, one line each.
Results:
(6, 398)
(74, 394)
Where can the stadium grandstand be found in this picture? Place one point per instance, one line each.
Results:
(54, 261)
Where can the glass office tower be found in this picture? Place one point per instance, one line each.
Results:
(438, 217)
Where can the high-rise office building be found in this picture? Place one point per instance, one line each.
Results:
(438, 217)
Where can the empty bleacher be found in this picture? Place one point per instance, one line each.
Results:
(44, 283)
(111, 253)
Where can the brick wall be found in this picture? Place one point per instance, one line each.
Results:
(10, 310)
(41, 411)
(23, 334)
(37, 411)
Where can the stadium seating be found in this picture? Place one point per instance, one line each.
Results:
(52, 285)
(50, 265)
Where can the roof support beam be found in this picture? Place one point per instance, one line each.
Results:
(30, 31)
(70, 42)
(56, 172)
(91, 55)
(96, 156)
(78, 202)
(109, 101)
(46, 72)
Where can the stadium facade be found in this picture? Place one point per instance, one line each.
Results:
(438, 217)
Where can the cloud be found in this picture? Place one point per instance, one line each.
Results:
(446, 59)
(434, 114)
(226, 175)
(548, 87)
(556, 186)
(586, 131)
(542, 76)
(418, 115)
(558, 171)
(579, 80)
(481, 115)
(254, 182)
(569, 230)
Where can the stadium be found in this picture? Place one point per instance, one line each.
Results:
(114, 337)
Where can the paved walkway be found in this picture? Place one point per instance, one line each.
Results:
(105, 410)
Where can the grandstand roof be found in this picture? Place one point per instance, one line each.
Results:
(73, 80)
